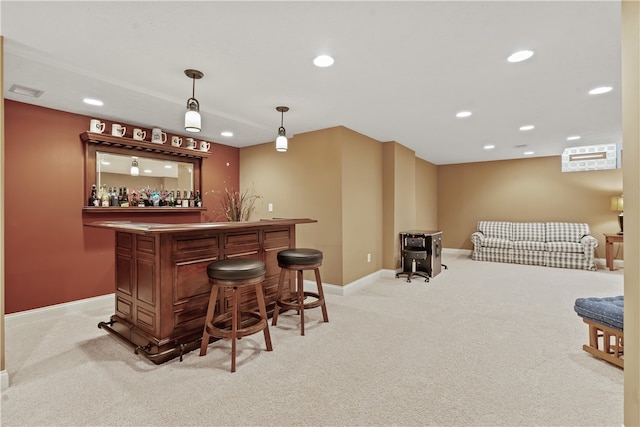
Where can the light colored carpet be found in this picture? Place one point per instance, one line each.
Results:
(481, 344)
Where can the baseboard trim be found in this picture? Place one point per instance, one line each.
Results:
(452, 251)
(102, 302)
(4, 380)
(349, 287)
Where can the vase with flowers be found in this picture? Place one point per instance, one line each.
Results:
(238, 205)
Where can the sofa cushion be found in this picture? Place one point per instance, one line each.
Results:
(528, 245)
(497, 229)
(567, 247)
(566, 231)
(529, 231)
(529, 257)
(493, 242)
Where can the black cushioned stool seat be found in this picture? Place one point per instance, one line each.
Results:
(234, 274)
(298, 260)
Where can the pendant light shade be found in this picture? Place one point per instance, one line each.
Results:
(282, 143)
(135, 171)
(192, 120)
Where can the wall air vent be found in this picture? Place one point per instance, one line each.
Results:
(591, 158)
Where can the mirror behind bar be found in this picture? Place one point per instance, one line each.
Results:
(114, 170)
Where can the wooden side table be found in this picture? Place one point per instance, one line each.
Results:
(610, 239)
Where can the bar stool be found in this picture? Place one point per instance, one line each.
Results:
(235, 274)
(298, 260)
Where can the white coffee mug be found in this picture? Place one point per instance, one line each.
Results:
(158, 136)
(191, 143)
(204, 146)
(96, 126)
(139, 134)
(118, 130)
(176, 141)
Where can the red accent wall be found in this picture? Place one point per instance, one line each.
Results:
(51, 258)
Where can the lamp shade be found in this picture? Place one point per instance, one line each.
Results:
(192, 121)
(135, 171)
(282, 143)
(617, 203)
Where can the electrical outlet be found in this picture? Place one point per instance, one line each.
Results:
(270, 207)
(368, 257)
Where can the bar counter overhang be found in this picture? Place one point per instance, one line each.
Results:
(161, 283)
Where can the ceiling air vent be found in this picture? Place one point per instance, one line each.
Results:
(26, 91)
(591, 158)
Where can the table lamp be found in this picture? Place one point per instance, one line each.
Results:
(617, 205)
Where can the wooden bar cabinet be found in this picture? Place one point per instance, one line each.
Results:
(161, 283)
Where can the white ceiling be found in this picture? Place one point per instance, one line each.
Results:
(402, 69)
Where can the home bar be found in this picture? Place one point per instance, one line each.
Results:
(161, 284)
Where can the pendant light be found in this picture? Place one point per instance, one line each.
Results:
(135, 171)
(192, 122)
(281, 140)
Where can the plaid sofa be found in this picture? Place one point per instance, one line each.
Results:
(552, 244)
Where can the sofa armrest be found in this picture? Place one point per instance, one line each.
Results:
(589, 241)
(476, 238)
(589, 245)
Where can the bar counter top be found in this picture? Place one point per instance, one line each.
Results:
(150, 227)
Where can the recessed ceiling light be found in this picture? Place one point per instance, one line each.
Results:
(599, 90)
(463, 114)
(167, 166)
(323, 61)
(528, 153)
(527, 127)
(520, 56)
(104, 162)
(147, 171)
(226, 133)
(489, 147)
(573, 137)
(92, 101)
(26, 91)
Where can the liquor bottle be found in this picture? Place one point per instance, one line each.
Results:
(105, 196)
(124, 200)
(198, 200)
(178, 199)
(192, 200)
(134, 199)
(185, 199)
(93, 198)
(113, 200)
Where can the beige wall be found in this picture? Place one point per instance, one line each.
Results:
(334, 176)
(399, 199)
(426, 189)
(361, 205)
(524, 190)
(631, 137)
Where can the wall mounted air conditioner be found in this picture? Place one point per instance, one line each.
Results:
(591, 158)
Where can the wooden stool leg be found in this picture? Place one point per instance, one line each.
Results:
(325, 316)
(276, 309)
(213, 298)
(300, 289)
(262, 308)
(234, 328)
